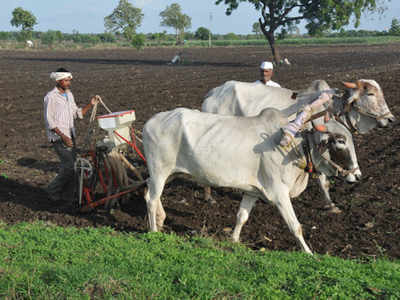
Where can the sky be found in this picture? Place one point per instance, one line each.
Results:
(87, 16)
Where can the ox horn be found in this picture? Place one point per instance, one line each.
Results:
(360, 84)
(350, 85)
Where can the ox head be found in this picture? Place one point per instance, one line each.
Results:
(365, 103)
(335, 151)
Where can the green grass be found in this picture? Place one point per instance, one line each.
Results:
(43, 261)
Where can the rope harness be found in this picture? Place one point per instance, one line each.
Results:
(322, 148)
(306, 162)
(352, 105)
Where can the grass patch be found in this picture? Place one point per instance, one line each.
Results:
(45, 261)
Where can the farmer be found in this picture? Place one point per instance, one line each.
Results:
(60, 110)
(266, 72)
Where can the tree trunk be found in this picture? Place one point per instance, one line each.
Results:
(271, 40)
(269, 35)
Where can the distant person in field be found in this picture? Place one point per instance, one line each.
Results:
(266, 72)
(60, 111)
(177, 59)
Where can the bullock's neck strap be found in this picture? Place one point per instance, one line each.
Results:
(347, 123)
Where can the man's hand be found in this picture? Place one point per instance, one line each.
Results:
(67, 141)
(94, 100)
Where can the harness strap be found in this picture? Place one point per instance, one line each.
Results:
(365, 113)
(307, 153)
(342, 171)
(347, 124)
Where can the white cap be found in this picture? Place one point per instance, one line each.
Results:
(266, 65)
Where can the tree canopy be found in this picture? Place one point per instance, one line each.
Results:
(319, 15)
(395, 27)
(124, 19)
(202, 33)
(256, 29)
(24, 19)
(173, 17)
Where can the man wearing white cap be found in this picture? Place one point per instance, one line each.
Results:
(60, 111)
(266, 71)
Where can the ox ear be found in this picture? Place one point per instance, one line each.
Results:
(350, 85)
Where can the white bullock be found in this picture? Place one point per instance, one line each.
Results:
(241, 153)
(362, 108)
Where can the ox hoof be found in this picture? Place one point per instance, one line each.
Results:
(160, 225)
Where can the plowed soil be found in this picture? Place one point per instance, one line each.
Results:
(369, 225)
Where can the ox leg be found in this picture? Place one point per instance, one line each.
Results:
(207, 195)
(324, 184)
(242, 216)
(155, 210)
(286, 209)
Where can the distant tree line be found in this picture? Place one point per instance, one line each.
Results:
(122, 24)
(52, 37)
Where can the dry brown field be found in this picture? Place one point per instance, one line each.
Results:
(128, 79)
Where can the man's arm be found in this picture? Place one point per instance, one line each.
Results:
(66, 140)
(92, 102)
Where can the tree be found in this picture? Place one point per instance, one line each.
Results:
(49, 37)
(125, 19)
(231, 36)
(202, 33)
(173, 17)
(24, 19)
(395, 27)
(256, 29)
(319, 15)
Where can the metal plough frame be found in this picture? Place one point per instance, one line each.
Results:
(93, 172)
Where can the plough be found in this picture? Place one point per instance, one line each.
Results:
(103, 173)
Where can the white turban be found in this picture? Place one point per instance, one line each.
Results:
(60, 75)
(266, 65)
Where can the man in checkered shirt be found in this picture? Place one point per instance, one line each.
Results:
(60, 111)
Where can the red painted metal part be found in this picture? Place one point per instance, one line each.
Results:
(105, 177)
(105, 199)
(133, 145)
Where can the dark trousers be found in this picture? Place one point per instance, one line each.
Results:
(62, 186)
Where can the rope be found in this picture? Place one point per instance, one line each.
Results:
(101, 101)
(91, 130)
